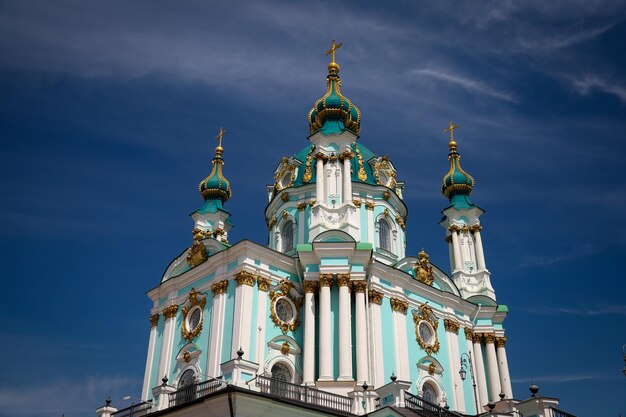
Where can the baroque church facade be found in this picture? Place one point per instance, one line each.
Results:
(331, 317)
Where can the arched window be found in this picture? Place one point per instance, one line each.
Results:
(186, 387)
(384, 236)
(286, 236)
(429, 393)
(281, 377)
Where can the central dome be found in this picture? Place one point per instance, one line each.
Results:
(334, 107)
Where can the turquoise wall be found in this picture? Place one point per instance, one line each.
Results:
(229, 313)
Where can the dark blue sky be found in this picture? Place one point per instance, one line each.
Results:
(107, 112)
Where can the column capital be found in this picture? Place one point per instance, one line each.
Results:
(501, 342)
(357, 203)
(469, 333)
(219, 288)
(369, 205)
(346, 154)
(359, 286)
(301, 206)
(401, 306)
(321, 156)
(263, 283)
(245, 278)
(477, 338)
(310, 286)
(489, 337)
(326, 280)
(154, 320)
(376, 297)
(476, 228)
(449, 238)
(170, 312)
(454, 228)
(343, 280)
(451, 326)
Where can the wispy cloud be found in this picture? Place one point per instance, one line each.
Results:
(618, 310)
(464, 82)
(558, 378)
(588, 83)
(548, 42)
(545, 260)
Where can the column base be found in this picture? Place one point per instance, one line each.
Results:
(345, 379)
(325, 379)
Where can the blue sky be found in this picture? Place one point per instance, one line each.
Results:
(107, 114)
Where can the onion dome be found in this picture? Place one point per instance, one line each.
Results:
(333, 106)
(216, 186)
(456, 182)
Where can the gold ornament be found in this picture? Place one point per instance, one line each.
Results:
(263, 283)
(423, 269)
(197, 254)
(154, 320)
(245, 278)
(310, 286)
(501, 342)
(469, 333)
(219, 288)
(170, 312)
(399, 305)
(284, 349)
(343, 280)
(307, 166)
(376, 297)
(490, 337)
(425, 313)
(359, 286)
(193, 301)
(326, 280)
(285, 291)
(362, 175)
(451, 326)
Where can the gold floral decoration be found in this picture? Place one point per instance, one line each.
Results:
(477, 338)
(425, 313)
(357, 203)
(362, 175)
(343, 280)
(187, 356)
(383, 165)
(307, 165)
(423, 269)
(284, 197)
(284, 290)
(301, 206)
(285, 168)
(192, 302)
(431, 368)
(369, 205)
(490, 337)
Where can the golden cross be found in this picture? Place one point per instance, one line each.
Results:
(220, 135)
(451, 128)
(333, 47)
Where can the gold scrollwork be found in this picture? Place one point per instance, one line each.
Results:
(383, 166)
(197, 254)
(219, 288)
(170, 312)
(451, 326)
(307, 165)
(423, 269)
(359, 286)
(326, 280)
(244, 278)
(263, 283)
(193, 301)
(401, 306)
(490, 337)
(362, 175)
(501, 342)
(285, 291)
(425, 313)
(286, 168)
(154, 320)
(376, 297)
(310, 286)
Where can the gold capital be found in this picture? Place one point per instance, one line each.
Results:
(369, 205)
(154, 320)
(170, 312)
(401, 306)
(326, 280)
(219, 288)
(310, 286)
(501, 342)
(469, 333)
(359, 286)
(301, 206)
(263, 283)
(490, 337)
(343, 280)
(451, 326)
(376, 297)
(244, 278)
(477, 338)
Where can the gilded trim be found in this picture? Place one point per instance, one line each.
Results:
(425, 313)
(369, 205)
(197, 254)
(307, 166)
(357, 203)
(193, 301)
(477, 338)
(423, 269)
(301, 206)
(284, 290)
(362, 175)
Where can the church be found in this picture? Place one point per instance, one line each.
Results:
(331, 317)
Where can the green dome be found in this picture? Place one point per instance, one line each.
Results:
(333, 106)
(216, 186)
(456, 181)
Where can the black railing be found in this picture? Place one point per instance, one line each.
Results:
(135, 410)
(376, 403)
(303, 394)
(192, 392)
(560, 413)
(425, 408)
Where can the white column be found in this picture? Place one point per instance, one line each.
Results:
(345, 328)
(503, 367)
(452, 331)
(362, 372)
(217, 328)
(166, 341)
(481, 378)
(376, 339)
(154, 320)
(450, 252)
(301, 208)
(308, 362)
(263, 285)
(243, 312)
(492, 366)
(325, 331)
(347, 179)
(369, 209)
(456, 249)
(319, 180)
(399, 309)
(478, 244)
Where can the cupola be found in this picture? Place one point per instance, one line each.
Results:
(334, 113)
(457, 184)
(216, 186)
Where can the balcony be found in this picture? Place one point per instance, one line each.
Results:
(193, 392)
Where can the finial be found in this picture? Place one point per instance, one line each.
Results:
(219, 137)
(451, 128)
(333, 66)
